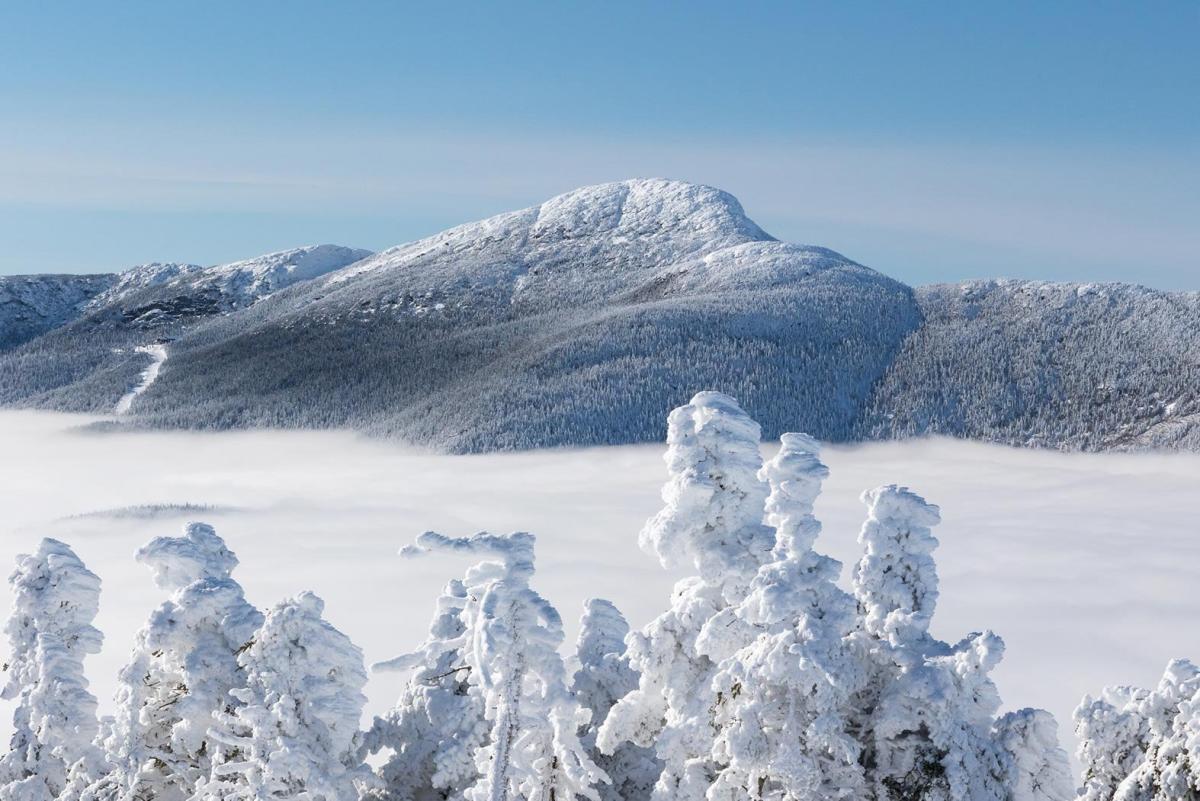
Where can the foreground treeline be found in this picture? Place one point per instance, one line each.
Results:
(762, 680)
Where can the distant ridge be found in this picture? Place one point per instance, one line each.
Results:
(583, 320)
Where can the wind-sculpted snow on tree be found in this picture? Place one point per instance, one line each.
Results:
(1143, 745)
(55, 600)
(787, 677)
(295, 732)
(533, 750)
(1038, 768)
(712, 521)
(1113, 738)
(928, 708)
(604, 676)
(183, 666)
(896, 580)
(439, 722)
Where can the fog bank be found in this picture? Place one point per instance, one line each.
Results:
(1087, 565)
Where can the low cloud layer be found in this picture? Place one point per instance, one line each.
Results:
(1085, 564)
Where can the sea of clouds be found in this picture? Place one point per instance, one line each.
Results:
(1086, 564)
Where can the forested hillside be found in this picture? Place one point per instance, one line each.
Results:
(91, 360)
(1077, 366)
(583, 320)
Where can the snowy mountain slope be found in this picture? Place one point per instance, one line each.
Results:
(579, 321)
(30, 305)
(152, 294)
(1073, 366)
(140, 277)
(585, 319)
(91, 362)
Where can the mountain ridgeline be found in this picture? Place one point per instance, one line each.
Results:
(583, 320)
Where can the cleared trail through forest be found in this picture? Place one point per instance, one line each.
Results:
(158, 355)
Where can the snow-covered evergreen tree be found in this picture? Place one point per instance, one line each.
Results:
(604, 676)
(766, 681)
(1113, 738)
(533, 750)
(183, 666)
(712, 520)
(50, 631)
(294, 734)
(787, 676)
(929, 708)
(1037, 767)
(1143, 745)
(896, 580)
(918, 745)
(439, 722)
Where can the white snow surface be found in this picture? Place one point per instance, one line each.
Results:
(1086, 564)
(667, 221)
(158, 355)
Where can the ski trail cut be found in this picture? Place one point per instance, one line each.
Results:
(158, 355)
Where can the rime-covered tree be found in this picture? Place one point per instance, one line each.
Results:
(931, 724)
(294, 735)
(1113, 738)
(438, 724)
(928, 708)
(183, 666)
(896, 580)
(1037, 768)
(604, 676)
(787, 677)
(712, 517)
(895, 583)
(533, 750)
(50, 631)
(1143, 745)
(712, 520)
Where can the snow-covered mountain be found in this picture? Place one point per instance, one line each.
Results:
(575, 322)
(582, 320)
(31, 305)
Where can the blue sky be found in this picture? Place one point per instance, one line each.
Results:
(932, 141)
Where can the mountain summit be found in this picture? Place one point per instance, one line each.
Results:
(584, 319)
(574, 322)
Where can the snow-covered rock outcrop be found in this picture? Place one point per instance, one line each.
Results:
(158, 294)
